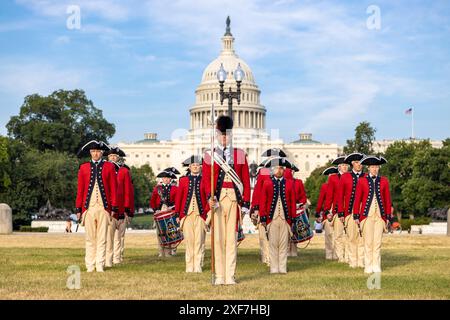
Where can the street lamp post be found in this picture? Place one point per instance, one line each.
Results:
(230, 95)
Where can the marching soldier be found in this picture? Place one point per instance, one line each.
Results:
(96, 202)
(325, 217)
(300, 201)
(263, 174)
(173, 182)
(346, 198)
(231, 197)
(125, 201)
(277, 210)
(163, 199)
(372, 211)
(331, 207)
(192, 207)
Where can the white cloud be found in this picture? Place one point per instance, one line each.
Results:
(43, 78)
(107, 9)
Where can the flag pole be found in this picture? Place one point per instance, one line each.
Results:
(213, 269)
(412, 123)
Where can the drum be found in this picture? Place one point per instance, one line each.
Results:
(168, 229)
(301, 229)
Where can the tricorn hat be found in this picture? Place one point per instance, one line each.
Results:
(192, 159)
(166, 174)
(224, 123)
(275, 162)
(274, 152)
(172, 170)
(92, 145)
(373, 160)
(330, 170)
(294, 168)
(115, 150)
(356, 156)
(339, 160)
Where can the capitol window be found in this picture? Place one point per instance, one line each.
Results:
(159, 156)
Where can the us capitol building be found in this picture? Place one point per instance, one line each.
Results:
(249, 132)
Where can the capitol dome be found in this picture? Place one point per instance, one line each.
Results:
(250, 114)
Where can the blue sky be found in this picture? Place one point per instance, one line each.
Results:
(318, 65)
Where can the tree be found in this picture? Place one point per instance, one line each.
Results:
(419, 176)
(363, 141)
(5, 180)
(399, 169)
(313, 184)
(429, 186)
(144, 181)
(39, 177)
(63, 121)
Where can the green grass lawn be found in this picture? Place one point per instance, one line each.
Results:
(33, 266)
(144, 221)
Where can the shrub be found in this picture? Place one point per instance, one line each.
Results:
(30, 229)
(407, 223)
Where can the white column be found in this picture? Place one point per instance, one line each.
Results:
(204, 119)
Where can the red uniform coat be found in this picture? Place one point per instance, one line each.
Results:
(240, 165)
(366, 190)
(107, 183)
(299, 188)
(169, 192)
(268, 202)
(347, 192)
(321, 200)
(264, 174)
(125, 192)
(332, 193)
(187, 188)
(300, 192)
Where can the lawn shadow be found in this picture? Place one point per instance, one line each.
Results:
(391, 260)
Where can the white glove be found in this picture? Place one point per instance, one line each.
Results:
(245, 210)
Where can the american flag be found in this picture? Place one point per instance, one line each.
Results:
(408, 111)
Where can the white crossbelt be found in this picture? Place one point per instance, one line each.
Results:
(230, 172)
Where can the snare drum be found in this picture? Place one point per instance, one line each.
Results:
(301, 230)
(169, 232)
